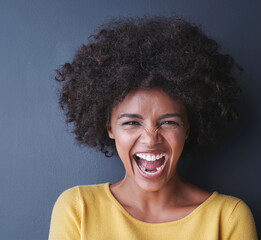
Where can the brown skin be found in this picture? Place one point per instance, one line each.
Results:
(166, 197)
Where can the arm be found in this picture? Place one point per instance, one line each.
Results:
(66, 217)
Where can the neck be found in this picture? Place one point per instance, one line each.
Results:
(129, 193)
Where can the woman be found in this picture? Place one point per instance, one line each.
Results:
(149, 90)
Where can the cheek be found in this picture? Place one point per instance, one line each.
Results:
(124, 143)
(176, 139)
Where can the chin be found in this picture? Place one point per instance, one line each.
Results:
(150, 185)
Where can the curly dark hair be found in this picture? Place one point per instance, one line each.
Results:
(131, 53)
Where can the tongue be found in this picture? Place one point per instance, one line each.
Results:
(151, 165)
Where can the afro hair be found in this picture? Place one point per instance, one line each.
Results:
(131, 53)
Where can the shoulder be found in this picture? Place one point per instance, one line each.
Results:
(236, 217)
(225, 200)
(76, 194)
(71, 201)
(236, 208)
(69, 210)
(229, 203)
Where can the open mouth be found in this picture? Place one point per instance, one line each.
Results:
(150, 164)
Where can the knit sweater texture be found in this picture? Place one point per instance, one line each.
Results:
(92, 212)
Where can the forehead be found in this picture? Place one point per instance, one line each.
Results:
(149, 101)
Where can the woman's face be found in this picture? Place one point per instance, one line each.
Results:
(149, 129)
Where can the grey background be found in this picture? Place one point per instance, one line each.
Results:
(38, 156)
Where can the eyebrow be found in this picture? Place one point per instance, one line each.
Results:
(133, 115)
(130, 115)
(169, 115)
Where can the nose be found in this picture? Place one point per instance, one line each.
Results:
(151, 137)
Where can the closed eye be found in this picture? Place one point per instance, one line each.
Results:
(131, 123)
(170, 123)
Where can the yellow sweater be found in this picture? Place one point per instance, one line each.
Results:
(92, 212)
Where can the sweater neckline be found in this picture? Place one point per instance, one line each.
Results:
(182, 220)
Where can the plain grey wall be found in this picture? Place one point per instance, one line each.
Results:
(39, 159)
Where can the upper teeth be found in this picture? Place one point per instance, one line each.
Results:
(150, 157)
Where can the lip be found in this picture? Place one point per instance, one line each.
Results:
(155, 151)
(151, 176)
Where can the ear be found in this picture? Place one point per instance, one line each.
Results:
(109, 130)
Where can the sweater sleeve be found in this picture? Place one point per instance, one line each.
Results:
(241, 225)
(66, 219)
